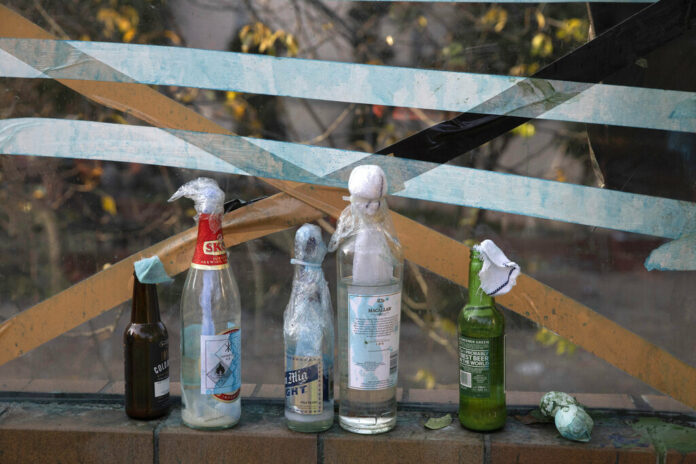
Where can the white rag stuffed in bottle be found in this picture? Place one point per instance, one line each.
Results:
(498, 274)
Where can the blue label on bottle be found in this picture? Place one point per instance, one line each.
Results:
(301, 376)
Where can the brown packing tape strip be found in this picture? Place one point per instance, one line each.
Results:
(106, 289)
(423, 246)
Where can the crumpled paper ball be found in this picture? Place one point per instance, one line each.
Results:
(553, 401)
(574, 423)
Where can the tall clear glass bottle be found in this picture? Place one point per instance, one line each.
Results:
(309, 338)
(210, 320)
(370, 269)
(481, 357)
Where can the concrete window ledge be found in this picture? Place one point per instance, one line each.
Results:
(90, 428)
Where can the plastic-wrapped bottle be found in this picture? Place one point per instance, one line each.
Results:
(370, 270)
(309, 338)
(210, 320)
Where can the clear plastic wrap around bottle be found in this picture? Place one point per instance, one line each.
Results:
(309, 334)
(370, 267)
(210, 320)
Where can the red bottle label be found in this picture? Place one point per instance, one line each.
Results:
(210, 248)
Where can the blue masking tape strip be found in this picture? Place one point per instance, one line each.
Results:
(350, 82)
(325, 166)
(677, 255)
(151, 271)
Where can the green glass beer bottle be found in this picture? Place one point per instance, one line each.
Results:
(481, 357)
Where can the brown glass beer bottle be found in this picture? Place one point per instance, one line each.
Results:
(146, 355)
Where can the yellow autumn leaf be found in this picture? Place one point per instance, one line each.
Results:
(541, 45)
(525, 130)
(448, 326)
(123, 23)
(131, 14)
(239, 109)
(496, 17)
(39, 192)
(108, 17)
(117, 118)
(292, 45)
(573, 29)
(422, 21)
(518, 70)
(108, 204)
(129, 35)
(173, 36)
(541, 20)
(427, 377)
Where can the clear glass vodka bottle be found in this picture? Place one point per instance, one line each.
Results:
(370, 271)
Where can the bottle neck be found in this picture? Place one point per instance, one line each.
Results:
(145, 307)
(210, 250)
(308, 274)
(477, 297)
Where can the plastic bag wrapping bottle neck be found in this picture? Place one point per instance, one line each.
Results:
(362, 214)
(376, 248)
(309, 312)
(207, 197)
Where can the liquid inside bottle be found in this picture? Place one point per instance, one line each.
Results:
(368, 364)
(370, 270)
(481, 358)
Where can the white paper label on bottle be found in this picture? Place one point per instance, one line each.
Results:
(221, 365)
(373, 339)
(161, 387)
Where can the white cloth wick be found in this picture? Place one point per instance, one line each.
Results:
(498, 274)
(367, 186)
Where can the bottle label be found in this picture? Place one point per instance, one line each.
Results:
(159, 354)
(221, 365)
(303, 384)
(474, 366)
(210, 248)
(373, 338)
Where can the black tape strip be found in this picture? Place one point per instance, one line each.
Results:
(618, 47)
